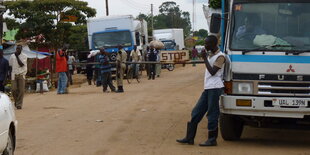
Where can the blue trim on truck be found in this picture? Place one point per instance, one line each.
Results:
(270, 58)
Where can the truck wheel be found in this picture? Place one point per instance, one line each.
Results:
(231, 127)
(170, 67)
(9, 150)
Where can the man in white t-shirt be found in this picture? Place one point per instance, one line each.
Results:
(135, 56)
(18, 62)
(209, 99)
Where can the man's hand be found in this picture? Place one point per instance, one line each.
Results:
(204, 54)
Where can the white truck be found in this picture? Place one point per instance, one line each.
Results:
(111, 31)
(268, 77)
(173, 39)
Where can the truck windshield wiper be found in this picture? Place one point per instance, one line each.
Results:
(279, 45)
(253, 50)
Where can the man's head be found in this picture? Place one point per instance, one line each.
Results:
(102, 50)
(64, 48)
(151, 47)
(120, 47)
(19, 49)
(250, 21)
(135, 47)
(211, 43)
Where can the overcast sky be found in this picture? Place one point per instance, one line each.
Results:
(134, 7)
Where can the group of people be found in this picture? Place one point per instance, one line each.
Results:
(101, 73)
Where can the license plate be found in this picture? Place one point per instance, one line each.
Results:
(290, 102)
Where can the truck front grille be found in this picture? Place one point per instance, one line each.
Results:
(283, 89)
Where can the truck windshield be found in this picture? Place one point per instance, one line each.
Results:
(112, 39)
(271, 27)
(169, 44)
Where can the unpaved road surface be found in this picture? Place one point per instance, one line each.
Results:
(145, 120)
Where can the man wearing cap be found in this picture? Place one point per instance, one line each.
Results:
(18, 62)
(121, 66)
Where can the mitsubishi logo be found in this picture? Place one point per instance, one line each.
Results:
(290, 69)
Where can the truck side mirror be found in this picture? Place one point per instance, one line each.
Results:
(215, 23)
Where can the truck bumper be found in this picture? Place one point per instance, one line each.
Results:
(262, 107)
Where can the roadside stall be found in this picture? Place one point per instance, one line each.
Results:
(38, 76)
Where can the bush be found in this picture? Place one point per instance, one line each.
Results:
(215, 4)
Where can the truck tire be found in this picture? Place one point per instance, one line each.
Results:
(231, 127)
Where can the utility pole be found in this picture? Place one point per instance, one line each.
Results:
(194, 14)
(2, 11)
(152, 14)
(107, 7)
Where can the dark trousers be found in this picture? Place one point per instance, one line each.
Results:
(107, 81)
(208, 102)
(2, 86)
(70, 73)
(152, 71)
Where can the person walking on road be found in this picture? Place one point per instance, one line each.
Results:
(152, 56)
(105, 71)
(71, 67)
(194, 55)
(89, 69)
(4, 68)
(18, 62)
(209, 99)
(61, 69)
(135, 56)
(121, 66)
(158, 66)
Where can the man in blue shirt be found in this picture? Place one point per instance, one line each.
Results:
(4, 67)
(152, 56)
(105, 70)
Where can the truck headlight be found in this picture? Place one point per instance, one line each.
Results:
(242, 88)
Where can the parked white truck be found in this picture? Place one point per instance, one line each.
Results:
(111, 31)
(268, 77)
(173, 39)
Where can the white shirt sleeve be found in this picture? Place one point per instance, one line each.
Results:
(11, 60)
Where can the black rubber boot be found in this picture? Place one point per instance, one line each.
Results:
(211, 138)
(120, 89)
(190, 134)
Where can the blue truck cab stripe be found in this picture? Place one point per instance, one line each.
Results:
(270, 58)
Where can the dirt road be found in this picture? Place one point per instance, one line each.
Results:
(145, 120)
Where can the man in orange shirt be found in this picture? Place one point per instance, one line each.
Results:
(61, 69)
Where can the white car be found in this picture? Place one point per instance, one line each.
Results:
(8, 124)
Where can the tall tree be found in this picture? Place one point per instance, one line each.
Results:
(170, 16)
(44, 17)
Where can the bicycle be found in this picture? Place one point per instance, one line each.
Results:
(130, 73)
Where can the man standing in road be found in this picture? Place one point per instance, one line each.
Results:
(105, 70)
(209, 99)
(4, 68)
(121, 66)
(194, 55)
(152, 56)
(135, 56)
(61, 69)
(71, 67)
(18, 62)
